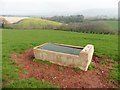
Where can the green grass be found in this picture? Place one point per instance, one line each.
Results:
(112, 24)
(115, 74)
(41, 61)
(37, 21)
(19, 40)
(91, 66)
(30, 83)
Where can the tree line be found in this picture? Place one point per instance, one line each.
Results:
(67, 19)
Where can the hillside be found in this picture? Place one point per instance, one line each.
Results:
(11, 20)
(34, 23)
(113, 24)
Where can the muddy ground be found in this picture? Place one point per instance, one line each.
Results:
(65, 77)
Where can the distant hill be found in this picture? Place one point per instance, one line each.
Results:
(34, 23)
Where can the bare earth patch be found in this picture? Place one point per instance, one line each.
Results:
(64, 77)
(13, 19)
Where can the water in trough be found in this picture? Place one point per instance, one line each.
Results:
(63, 49)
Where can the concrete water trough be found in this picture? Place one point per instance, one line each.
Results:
(65, 55)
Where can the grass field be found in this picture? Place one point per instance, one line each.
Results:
(110, 23)
(100, 26)
(19, 40)
(33, 23)
(113, 24)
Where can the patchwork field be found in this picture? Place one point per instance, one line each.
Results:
(97, 27)
(112, 24)
(17, 41)
(34, 23)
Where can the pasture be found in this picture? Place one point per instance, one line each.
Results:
(20, 40)
(112, 24)
(99, 27)
(33, 23)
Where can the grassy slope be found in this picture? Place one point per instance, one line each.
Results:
(111, 23)
(18, 41)
(38, 21)
(34, 23)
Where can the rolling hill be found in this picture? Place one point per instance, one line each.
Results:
(34, 23)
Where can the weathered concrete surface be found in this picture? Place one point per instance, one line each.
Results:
(86, 56)
(82, 61)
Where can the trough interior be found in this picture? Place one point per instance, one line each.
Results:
(61, 48)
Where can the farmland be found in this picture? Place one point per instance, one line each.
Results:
(100, 26)
(20, 40)
(110, 23)
(33, 23)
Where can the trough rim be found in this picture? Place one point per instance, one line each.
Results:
(78, 47)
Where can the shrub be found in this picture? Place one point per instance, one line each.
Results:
(88, 27)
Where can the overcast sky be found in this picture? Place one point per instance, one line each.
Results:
(50, 6)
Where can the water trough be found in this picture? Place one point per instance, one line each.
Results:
(65, 55)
